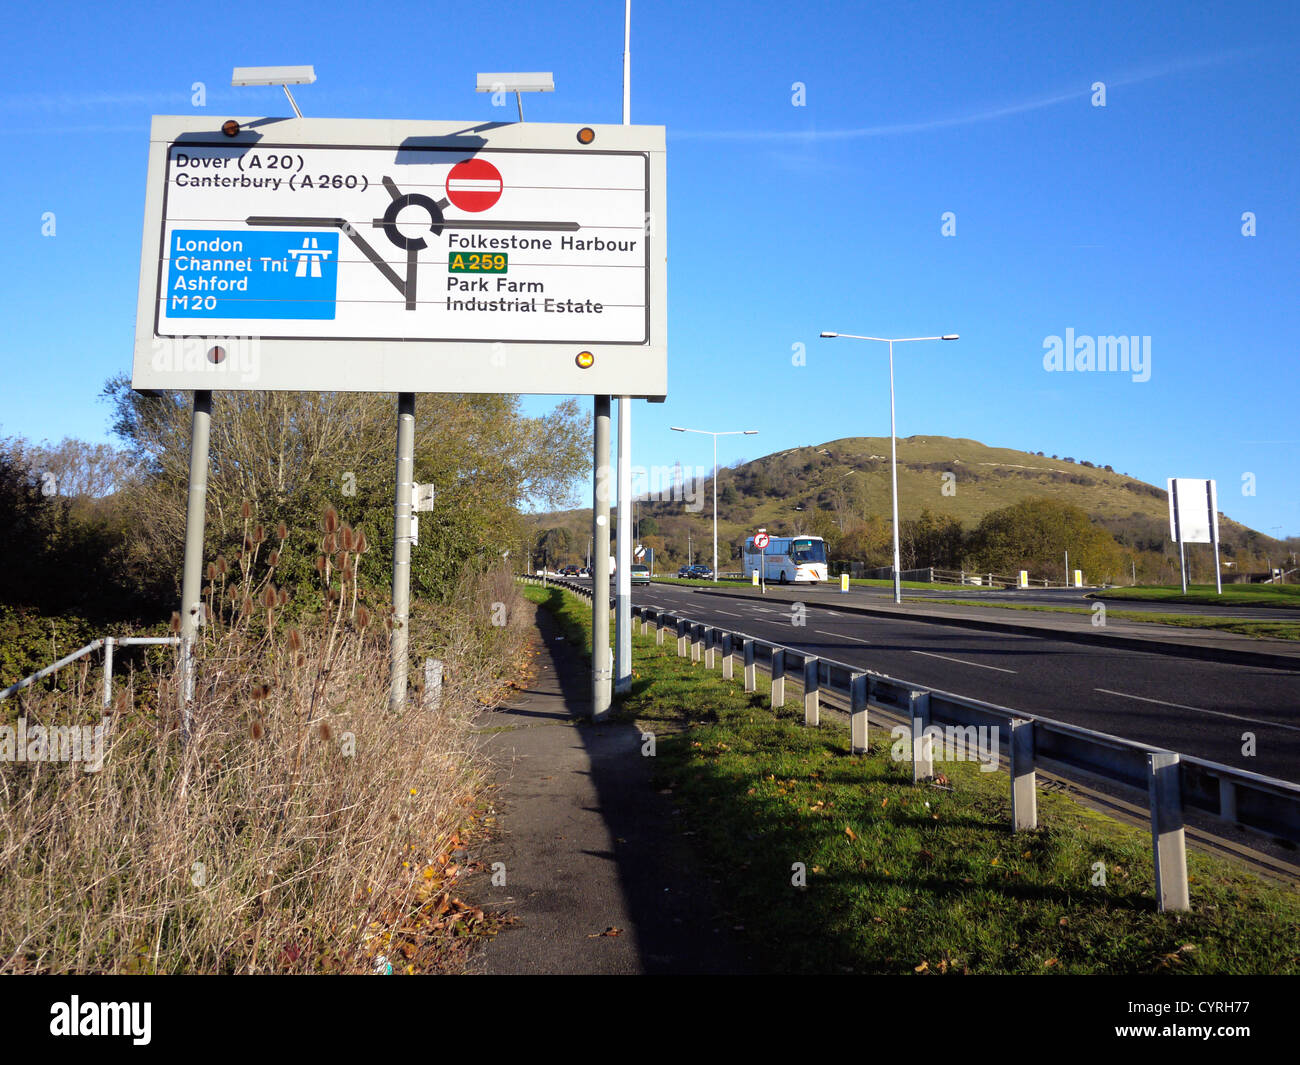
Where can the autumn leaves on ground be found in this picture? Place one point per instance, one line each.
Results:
(302, 827)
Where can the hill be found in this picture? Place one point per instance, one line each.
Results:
(835, 488)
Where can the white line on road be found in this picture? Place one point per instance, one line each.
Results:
(963, 662)
(1198, 709)
(840, 636)
(728, 613)
(832, 613)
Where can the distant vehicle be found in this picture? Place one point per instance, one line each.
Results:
(700, 572)
(584, 572)
(786, 559)
(640, 574)
(685, 571)
(569, 571)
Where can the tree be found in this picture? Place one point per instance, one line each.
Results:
(1034, 535)
(290, 454)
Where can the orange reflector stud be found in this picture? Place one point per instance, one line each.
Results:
(585, 360)
(586, 135)
(230, 128)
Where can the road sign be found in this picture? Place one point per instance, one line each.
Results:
(761, 540)
(1193, 510)
(474, 185)
(339, 254)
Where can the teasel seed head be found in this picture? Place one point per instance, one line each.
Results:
(175, 622)
(282, 531)
(256, 730)
(212, 571)
(273, 559)
(347, 537)
(223, 567)
(331, 519)
(246, 510)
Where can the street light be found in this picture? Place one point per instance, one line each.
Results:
(893, 444)
(706, 432)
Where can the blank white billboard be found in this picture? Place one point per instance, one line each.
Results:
(1193, 511)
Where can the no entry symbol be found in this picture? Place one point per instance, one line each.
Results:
(474, 185)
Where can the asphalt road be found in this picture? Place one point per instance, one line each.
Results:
(1193, 707)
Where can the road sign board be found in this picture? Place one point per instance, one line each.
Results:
(761, 540)
(1193, 510)
(315, 254)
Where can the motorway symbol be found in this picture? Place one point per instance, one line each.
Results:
(474, 185)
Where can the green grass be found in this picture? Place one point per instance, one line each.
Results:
(901, 876)
(1286, 596)
(1261, 630)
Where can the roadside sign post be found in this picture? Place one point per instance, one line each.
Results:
(192, 574)
(401, 257)
(761, 540)
(1194, 519)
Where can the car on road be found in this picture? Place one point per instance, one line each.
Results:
(640, 574)
(700, 572)
(569, 571)
(685, 571)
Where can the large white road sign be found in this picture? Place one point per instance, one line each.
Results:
(321, 255)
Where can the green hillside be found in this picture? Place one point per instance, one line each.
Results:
(843, 485)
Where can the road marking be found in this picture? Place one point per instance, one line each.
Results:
(832, 613)
(728, 613)
(840, 636)
(1199, 710)
(962, 661)
(763, 609)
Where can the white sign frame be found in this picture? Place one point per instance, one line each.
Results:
(1193, 510)
(215, 355)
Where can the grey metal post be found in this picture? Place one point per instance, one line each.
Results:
(601, 681)
(710, 648)
(728, 660)
(1024, 794)
(1168, 843)
(432, 684)
(660, 629)
(683, 630)
(623, 570)
(751, 670)
(192, 574)
(398, 664)
(108, 673)
(778, 678)
(1227, 799)
(811, 685)
(697, 640)
(860, 696)
(922, 744)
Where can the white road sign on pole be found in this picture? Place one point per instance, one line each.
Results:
(358, 255)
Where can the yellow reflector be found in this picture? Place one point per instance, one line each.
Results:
(585, 359)
(586, 135)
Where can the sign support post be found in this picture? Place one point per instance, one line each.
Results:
(623, 547)
(1213, 518)
(398, 642)
(600, 671)
(192, 574)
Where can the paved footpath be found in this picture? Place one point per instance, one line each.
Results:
(587, 842)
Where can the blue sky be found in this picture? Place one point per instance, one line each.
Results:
(784, 220)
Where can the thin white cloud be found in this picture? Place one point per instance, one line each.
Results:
(1039, 103)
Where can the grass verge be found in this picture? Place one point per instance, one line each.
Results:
(902, 878)
(1285, 596)
(1261, 630)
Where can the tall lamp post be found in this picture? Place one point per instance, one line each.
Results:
(706, 432)
(893, 441)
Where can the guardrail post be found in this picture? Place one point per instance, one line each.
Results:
(922, 744)
(660, 629)
(778, 678)
(859, 696)
(811, 688)
(1227, 799)
(1024, 794)
(108, 673)
(751, 670)
(432, 684)
(728, 664)
(683, 627)
(697, 639)
(1168, 842)
(710, 648)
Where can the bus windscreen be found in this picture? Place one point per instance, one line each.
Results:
(808, 551)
